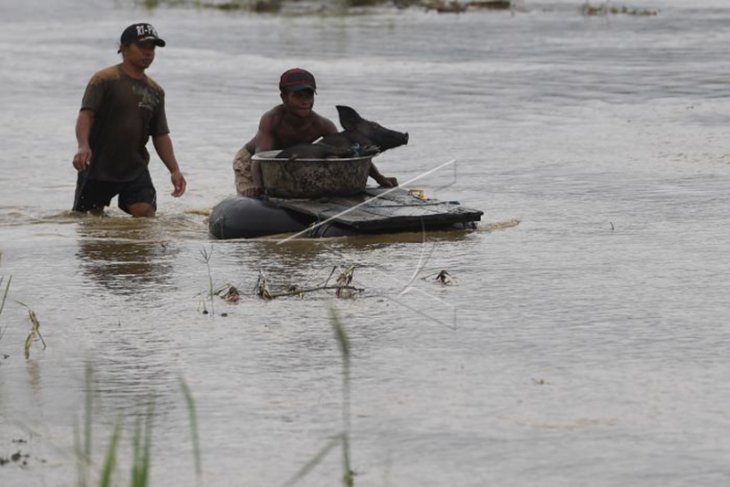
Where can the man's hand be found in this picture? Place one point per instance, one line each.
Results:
(82, 158)
(179, 183)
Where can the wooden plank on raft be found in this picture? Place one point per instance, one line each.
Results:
(381, 209)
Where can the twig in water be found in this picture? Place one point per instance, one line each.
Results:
(334, 268)
(300, 291)
(343, 287)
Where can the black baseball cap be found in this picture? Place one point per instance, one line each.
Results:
(140, 33)
(297, 79)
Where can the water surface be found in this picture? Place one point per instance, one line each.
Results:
(584, 338)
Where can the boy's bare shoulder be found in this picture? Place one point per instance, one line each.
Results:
(274, 114)
(324, 123)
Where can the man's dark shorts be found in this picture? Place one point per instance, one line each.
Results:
(94, 195)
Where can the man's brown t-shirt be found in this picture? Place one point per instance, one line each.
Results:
(127, 112)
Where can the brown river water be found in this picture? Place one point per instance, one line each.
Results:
(582, 341)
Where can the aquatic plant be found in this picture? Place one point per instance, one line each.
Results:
(343, 439)
(193, 418)
(110, 460)
(35, 331)
(343, 282)
(211, 292)
(344, 345)
(141, 445)
(2, 303)
(83, 452)
(262, 287)
(141, 442)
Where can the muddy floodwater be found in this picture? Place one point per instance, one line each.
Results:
(583, 337)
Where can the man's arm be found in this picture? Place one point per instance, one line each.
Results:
(163, 146)
(83, 129)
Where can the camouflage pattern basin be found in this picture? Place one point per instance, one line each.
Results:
(312, 178)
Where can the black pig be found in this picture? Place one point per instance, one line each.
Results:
(360, 137)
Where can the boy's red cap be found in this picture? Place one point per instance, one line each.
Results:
(297, 79)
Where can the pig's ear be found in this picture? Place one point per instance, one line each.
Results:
(349, 118)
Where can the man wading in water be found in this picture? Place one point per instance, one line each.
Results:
(122, 107)
(286, 125)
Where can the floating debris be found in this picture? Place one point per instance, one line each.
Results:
(454, 6)
(15, 457)
(343, 286)
(444, 278)
(356, 7)
(604, 9)
(232, 295)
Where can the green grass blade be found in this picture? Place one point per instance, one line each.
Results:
(193, 426)
(141, 447)
(313, 462)
(136, 454)
(344, 344)
(80, 461)
(88, 413)
(111, 457)
(5, 297)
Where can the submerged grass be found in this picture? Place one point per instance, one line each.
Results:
(110, 461)
(193, 418)
(141, 443)
(343, 439)
(344, 346)
(141, 440)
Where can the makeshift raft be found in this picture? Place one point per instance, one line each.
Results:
(375, 210)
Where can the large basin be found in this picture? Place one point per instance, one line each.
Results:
(312, 178)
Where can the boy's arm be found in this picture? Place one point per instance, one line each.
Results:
(386, 182)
